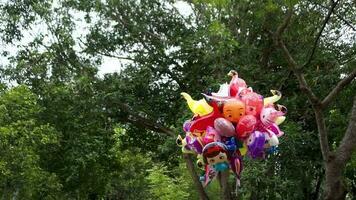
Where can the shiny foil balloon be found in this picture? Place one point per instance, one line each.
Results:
(253, 103)
(211, 136)
(233, 110)
(245, 126)
(224, 127)
(255, 144)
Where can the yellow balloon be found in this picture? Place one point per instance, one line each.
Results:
(200, 107)
(270, 100)
(280, 120)
(243, 149)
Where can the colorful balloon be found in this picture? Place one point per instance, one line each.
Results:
(245, 126)
(255, 144)
(200, 107)
(269, 115)
(216, 155)
(271, 100)
(236, 165)
(186, 125)
(190, 144)
(229, 124)
(233, 110)
(224, 127)
(211, 136)
(236, 83)
(223, 91)
(199, 126)
(253, 103)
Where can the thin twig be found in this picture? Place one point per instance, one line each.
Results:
(338, 88)
(331, 9)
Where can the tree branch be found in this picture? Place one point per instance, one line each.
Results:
(224, 185)
(117, 57)
(194, 175)
(138, 120)
(347, 145)
(337, 15)
(315, 101)
(302, 82)
(323, 135)
(284, 24)
(338, 88)
(331, 9)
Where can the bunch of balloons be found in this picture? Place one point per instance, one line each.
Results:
(229, 124)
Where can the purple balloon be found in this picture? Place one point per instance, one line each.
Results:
(255, 144)
(194, 144)
(186, 126)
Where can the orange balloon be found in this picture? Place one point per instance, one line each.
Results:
(233, 110)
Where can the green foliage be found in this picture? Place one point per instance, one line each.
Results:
(65, 133)
(165, 188)
(23, 142)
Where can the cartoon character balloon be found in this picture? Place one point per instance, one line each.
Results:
(233, 110)
(216, 155)
(245, 126)
(229, 124)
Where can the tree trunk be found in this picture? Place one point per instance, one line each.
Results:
(335, 189)
(335, 165)
(225, 192)
(194, 175)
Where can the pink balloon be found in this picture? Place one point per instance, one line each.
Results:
(253, 103)
(245, 126)
(236, 83)
(211, 136)
(224, 127)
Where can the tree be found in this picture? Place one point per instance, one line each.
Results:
(24, 145)
(167, 52)
(334, 161)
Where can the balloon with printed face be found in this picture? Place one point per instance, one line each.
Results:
(224, 127)
(217, 156)
(253, 103)
(245, 126)
(255, 144)
(233, 110)
(269, 115)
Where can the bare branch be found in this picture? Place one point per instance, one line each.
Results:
(331, 9)
(338, 88)
(138, 120)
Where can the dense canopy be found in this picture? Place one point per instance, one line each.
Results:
(70, 132)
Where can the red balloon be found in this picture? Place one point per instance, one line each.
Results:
(245, 126)
(253, 103)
